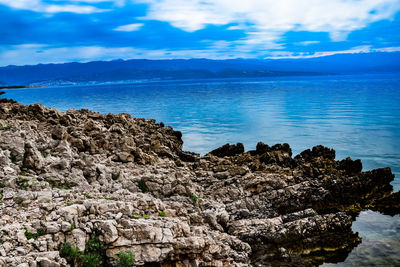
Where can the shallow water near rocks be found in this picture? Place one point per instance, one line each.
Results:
(358, 116)
(380, 244)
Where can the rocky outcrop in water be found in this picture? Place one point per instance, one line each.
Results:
(85, 189)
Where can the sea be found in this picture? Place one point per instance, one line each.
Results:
(357, 115)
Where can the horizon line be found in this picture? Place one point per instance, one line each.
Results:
(293, 57)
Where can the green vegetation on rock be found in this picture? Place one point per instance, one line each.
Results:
(115, 176)
(30, 235)
(5, 127)
(194, 198)
(13, 158)
(91, 260)
(143, 187)
(70, 253)
(22, 182)
(125, 259)
(93, 256)
(162, 214)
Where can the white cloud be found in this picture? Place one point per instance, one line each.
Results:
(39, 6)
(118, 3)
(129, 27)
(71, 8)
(338, 36)
(388, 49)
(354, 50)
(236, 27)
(22, 4)
(272, 17)
(264, 21)
(305, 43)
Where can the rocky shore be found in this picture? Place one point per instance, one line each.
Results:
(85, 189)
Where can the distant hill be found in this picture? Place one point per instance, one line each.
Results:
(137, 69)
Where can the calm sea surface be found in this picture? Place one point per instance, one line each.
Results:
(358, 116)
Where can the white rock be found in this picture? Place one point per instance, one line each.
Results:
(109, 230)
(52, 227)
(79, 239)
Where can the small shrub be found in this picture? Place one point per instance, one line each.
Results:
(95, 246)
(13, 159)
(5, 127)
(70, 253)
(2, 185)
(88, 196)
(142, 186)
(95, 251)
(5, 232)
(72, 226)
(107, 198)
(22, 182)
(91, 260)
(93, 256)
(194, 198)
(125, 259)
(146, 216)
(115, 176)
(28, 234)
(41, 232)
(69, 203)
(162, 214)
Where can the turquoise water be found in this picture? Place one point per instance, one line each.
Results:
(358, 116)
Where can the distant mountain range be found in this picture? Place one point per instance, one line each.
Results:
(139, 69)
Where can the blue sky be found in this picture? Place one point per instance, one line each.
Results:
(55, 31)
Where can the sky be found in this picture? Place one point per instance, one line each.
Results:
(56, 31)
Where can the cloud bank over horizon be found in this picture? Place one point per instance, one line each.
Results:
(56, 31)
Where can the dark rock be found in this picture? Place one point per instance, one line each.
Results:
(178, 134)
(262, 148)
(228, 150)
(282, 147)
(351, 167)
(317, 151)
(188, 156)
(59, 133)
(389, 205)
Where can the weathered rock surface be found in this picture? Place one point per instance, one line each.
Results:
(69, 177)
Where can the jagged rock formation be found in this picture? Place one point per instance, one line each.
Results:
(77, 176)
